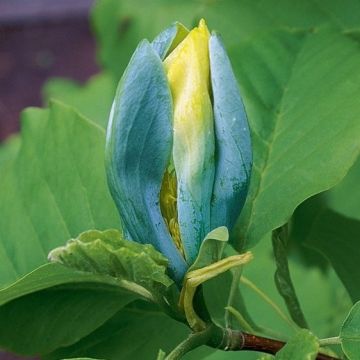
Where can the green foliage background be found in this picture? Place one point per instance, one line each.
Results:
(298, 67)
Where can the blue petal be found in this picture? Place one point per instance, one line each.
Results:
(233, 143)
(168, 39)
(138, 149)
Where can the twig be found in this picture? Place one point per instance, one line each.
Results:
(231, 340)
(252, 342)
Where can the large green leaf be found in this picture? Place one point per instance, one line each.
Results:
(38, 310)
(92, 99)
(305, 137)
(53, 190)
(350, 333)
(109, 273)
(136, 332)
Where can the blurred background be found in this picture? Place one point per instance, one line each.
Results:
(40, 39)
(43, 39)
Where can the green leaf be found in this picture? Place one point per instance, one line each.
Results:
(152, 331)
(295, 120)
(350, 333)
(303, 346)
(108, 253)
(283, 278)
(337, 237)
(52, 299)
(53, 190)
(92, 99)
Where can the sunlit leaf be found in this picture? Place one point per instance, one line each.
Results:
(295, 120)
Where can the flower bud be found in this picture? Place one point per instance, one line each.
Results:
(178, 151)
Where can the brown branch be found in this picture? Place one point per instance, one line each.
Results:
(238, 340)
(231, 340)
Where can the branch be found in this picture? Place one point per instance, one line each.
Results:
(239, 340)
(231, 340)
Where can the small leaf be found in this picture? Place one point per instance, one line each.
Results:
(212, 248)
(303, 346)
(350, 333)
(108, 253)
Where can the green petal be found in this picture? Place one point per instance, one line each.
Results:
(233, 143)
(138, 149)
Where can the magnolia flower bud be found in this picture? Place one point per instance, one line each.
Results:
(178, 151)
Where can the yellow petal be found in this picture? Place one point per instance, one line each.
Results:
(188, 72)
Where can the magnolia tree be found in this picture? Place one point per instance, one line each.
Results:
(217, 216)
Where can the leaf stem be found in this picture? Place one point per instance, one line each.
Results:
(267, 299)
(330, 341)
(238, 341)
(193, 341)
